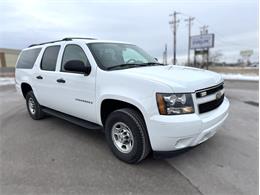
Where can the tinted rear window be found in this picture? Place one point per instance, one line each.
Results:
(49, 58)
(28, 58)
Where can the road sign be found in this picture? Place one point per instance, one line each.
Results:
(246, 53)
(202, 41)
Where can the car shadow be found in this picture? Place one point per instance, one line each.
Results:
(97, 137)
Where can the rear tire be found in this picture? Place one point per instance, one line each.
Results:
(33, 107)
(127, 136)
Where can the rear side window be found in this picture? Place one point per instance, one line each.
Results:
(49, 58)
(28, 58)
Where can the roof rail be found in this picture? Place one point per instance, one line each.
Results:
(70, 38)
(47, 42)
(64, 39)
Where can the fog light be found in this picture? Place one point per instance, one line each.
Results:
(183, 143)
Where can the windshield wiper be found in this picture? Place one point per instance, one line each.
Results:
(134, 65)
(122, 65)
(151, 64)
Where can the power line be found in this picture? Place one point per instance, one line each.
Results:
(220, 35)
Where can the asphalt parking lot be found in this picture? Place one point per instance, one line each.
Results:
(52, 156)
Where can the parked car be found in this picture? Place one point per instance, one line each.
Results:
(141, 105)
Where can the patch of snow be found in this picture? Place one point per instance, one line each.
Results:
(240, 77)
(7, 81)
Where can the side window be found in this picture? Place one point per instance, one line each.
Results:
(73, 52)
(49, 58)
(28, 58)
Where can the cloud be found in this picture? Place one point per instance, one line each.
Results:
(144, 23)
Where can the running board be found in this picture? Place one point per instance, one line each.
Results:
(72, 119)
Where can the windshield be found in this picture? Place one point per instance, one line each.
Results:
(119, 55)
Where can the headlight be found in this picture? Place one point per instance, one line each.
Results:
(171, 104)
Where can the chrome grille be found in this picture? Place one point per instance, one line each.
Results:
(208, 91)
(210, 98)
(208, 106)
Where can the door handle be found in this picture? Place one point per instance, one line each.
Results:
(61, 81)
(39, 77)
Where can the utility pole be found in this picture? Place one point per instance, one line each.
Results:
(174, 22)
(189, 20)
(165, 55)
(204, 30)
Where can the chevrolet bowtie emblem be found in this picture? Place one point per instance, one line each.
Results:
(218, 95)
(204, 93)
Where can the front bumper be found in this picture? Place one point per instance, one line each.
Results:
(169, 133)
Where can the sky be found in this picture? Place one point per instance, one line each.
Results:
(144, 23)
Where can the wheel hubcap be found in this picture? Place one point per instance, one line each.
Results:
(31, 105)
(122, 137)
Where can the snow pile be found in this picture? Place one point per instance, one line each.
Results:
(6, 81)
(240, 77)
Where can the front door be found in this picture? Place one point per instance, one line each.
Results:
(76, 91)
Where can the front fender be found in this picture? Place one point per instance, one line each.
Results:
(130, 88)
(141, 105)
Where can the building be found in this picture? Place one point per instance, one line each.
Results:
(8, 57)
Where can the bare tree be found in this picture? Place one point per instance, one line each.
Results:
(246, 54)
(214, 57)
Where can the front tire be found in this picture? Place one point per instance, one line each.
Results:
(33, 107)
(127, 136)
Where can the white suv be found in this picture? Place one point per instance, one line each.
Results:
(141, 105)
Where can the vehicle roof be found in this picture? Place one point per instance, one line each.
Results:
(73, 40)
(105, 41)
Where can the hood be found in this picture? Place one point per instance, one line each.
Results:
(179, 78)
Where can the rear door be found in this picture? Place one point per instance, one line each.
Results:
(76, 91)
(25, 66)
(45, 77)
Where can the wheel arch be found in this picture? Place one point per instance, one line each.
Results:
(109, 105)
(25, 87)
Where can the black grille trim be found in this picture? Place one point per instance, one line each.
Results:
(210, 90)
(208, 106)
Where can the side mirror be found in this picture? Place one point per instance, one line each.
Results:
(156, 59)
(77, 66)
